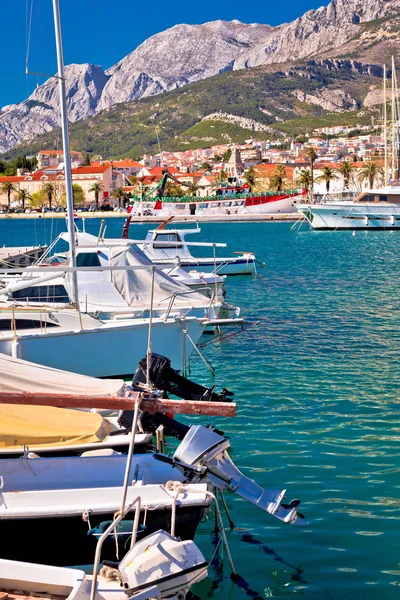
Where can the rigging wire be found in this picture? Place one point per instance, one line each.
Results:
(28, 26)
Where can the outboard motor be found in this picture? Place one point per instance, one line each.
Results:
(202, 456)
(164, 561)
(163, 377)
(167, 380)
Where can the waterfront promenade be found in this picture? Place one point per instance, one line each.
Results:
(156, 219)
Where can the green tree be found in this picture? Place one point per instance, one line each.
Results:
(277, 181)
(48, 190)
(328, 175)
(7, 187)
(226, 155)
(22, 196)
(304, 180)
(86, 160)
(250, 176)
(205, 166)
(173, 190)
(372, 173)
(78, 193)
(312, 155)
(96, 188)
(346, 170)
(38, 199)
(119, 194)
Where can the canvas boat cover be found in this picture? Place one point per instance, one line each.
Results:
(135, 285)
(48, 426)
(22, 376)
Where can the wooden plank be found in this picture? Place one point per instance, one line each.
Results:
(181, 407)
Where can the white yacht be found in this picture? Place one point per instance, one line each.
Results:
(372, 209)
(165, 246)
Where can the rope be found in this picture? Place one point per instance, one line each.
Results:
(178, 488)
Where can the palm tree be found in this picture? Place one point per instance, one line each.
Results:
(6, 188)
(119, 193)
(96, 187)
(312, 155)
(22, 196)
(304, 180)
(220, 179)
(328, 175)
(371, 172)
(48, 190)
(78, 193)
(346, 170)
(251, 178)
(278, 179)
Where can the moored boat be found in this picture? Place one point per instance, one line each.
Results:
(372, 209)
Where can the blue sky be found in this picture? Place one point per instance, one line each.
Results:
(104, 31)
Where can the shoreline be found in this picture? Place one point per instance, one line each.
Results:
(276, 217)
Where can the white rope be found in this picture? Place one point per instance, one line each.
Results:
(177, 488)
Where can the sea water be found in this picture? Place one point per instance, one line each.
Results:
(317, 389)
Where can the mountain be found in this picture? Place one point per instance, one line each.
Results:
(316, 32)
(178, 56)
(347, 29)
(265, 102)
(41, 111)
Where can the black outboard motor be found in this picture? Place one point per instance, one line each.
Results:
(163, 377)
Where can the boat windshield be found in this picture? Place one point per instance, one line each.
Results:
(173, 238)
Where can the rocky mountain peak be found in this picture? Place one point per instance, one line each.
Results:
(187, 53)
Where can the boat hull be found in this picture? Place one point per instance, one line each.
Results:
(257, 205)
(111, 350)
(348, 215)
(64, 540)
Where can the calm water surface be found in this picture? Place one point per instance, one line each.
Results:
(317, 387)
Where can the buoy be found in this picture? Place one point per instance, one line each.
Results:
(354, 233)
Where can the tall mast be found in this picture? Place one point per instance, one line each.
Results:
(393, 119)
(395, 125)
(66, 150)
(385, 125)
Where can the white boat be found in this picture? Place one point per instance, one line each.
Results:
(159, 566)
(372, 209)
(165, 246)
(228, 200)
(72, 341)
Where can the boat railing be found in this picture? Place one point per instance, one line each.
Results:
(102, 302)
(220, 198)
(117, 519)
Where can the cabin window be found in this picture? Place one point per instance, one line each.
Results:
(88, 259)
(6, 324)
(42, 293)
(203, 205)
(383, 198)
(172, 238)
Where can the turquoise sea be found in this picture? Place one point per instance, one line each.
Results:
(317, 387)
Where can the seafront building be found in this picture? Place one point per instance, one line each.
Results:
(198, 171)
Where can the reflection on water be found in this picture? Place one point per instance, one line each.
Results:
(317, 385)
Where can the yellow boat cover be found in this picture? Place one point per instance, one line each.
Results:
(48, 426)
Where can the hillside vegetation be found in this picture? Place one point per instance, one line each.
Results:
(264, 94)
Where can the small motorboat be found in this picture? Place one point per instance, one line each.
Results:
(163, 560)
(159, 566)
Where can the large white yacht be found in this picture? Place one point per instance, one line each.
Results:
(372, 209)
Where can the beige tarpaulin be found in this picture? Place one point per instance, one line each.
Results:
(22, 376)
(48, 426)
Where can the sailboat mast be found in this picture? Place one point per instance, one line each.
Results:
(66, 150)
(385, 125)
(395, 123)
